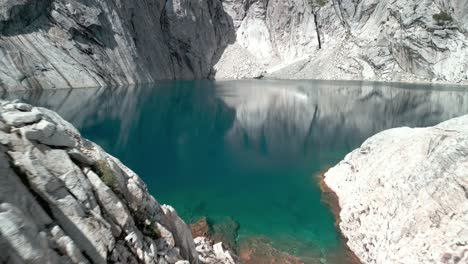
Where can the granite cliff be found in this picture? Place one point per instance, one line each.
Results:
(62, 43)
(64, 200)
(403, 195)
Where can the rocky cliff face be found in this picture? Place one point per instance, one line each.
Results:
(61, 43)
(64, 200)
(365, 39)
(403, 195)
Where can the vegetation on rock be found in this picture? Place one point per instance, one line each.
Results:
(151, 229)
(442, 17)
(105, 172)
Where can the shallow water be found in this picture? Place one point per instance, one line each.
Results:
(249, 150)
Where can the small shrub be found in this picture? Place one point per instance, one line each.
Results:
(321, 2)
(106, 174)
(318, 3)
(442, 17)
(151, 229)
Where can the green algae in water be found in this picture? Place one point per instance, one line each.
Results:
(249, 150)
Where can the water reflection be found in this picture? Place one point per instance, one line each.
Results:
(280, 117)
(247, 149)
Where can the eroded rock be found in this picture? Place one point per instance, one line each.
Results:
(413, 182)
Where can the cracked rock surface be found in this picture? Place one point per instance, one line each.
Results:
(63, 199)
(403, 195)
(83, 43)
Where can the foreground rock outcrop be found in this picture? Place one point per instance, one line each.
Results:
(403, 195)
(64, 200)
(63, 43)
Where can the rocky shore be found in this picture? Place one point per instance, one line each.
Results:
(65, 200)
(403, 195)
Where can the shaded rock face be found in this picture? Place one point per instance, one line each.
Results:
(403, 195)
(64, 200)
(60, 43)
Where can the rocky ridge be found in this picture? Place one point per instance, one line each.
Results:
(83, 43)
(65, 200)
(403, 195)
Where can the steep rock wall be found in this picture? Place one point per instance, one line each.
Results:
(60, 43)
(366, 39)
(63, 199)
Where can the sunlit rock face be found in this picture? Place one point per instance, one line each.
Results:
(365, 39)
(414, 183)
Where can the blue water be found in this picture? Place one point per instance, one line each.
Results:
(249, 150)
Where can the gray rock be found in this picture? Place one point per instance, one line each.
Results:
(4, 127)
(79, 214)
(46, 128)
(60, 138)
(23, 236)
(81, 158)
(66, 246)
(403, 195)
(99, 43)
(23, 107)
(18, 119)
(181, 232)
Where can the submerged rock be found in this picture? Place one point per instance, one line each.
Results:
(201, 228)
(257, 250)
(64, 200)
(403, 195)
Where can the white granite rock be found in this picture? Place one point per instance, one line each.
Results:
(403, 195)
(20, 118)
(79, 204)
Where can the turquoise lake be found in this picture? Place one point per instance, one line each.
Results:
(248, 150)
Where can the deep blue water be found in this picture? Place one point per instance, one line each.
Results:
(249, 150)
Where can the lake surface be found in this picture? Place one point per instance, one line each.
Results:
(248, 150)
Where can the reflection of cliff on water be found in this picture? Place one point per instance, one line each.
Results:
(279, 119)
(287, 119)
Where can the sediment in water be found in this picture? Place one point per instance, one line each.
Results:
(330, 199)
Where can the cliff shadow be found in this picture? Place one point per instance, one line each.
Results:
(226, 35)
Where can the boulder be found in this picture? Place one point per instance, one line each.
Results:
(18, 119)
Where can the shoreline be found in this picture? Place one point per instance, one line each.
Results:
(331, 200)
(393, 83)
